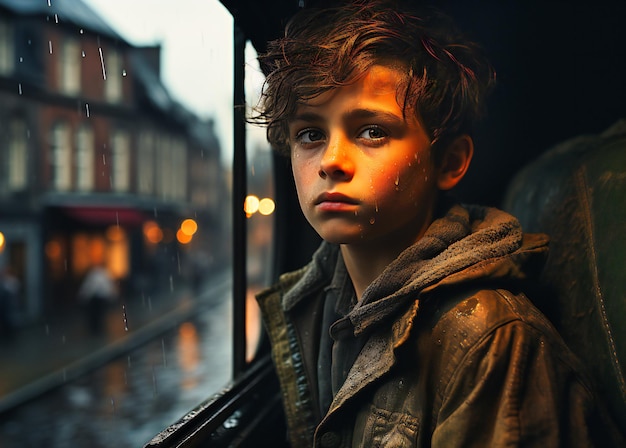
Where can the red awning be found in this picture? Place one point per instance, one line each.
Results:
(106, 215)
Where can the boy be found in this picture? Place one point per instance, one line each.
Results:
(408, 327)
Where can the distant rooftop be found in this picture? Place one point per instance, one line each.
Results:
(67, 11)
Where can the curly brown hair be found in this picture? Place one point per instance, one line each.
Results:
(447, 76)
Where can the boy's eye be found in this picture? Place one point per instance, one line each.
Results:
(373, 133)
(309, 136)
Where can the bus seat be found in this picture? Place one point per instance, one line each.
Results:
(576, 193)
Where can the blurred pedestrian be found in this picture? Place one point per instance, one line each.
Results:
(97, 293)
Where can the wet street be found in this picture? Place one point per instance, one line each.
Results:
(127, 401)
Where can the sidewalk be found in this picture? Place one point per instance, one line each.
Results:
(60, 348)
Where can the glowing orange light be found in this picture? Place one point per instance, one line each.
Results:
(152, 232)
(251, 205)
(266, 206)
(189, 227)
(2, 241)
(182, 237)
(115, 233)
(53, 250)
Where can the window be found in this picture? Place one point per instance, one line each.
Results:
(69, 67)
(145, 164)
(61, 162)
(136, 183)
(7, 54)
(113, 80)
(120, 176)
(85, 158)
(17, 166)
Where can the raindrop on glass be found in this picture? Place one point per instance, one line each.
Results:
(125, 317)
(21, 59)
(82, 53)
(372, 220)
(50, 46)
(104, 72)
(124, 72)
(87, 109)
(19, 88)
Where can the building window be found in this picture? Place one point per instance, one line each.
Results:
(17, 175)
(61, 157)
(113, 79)
(120, 176)
(145, 165)
(165, 178)
(69, 66)
(7, 55)
(85, 156)
(179, 169)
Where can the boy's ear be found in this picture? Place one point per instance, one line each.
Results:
(455, 162)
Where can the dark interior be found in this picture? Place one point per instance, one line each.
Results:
(560, 68)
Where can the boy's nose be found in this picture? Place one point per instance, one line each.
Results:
(336, 162)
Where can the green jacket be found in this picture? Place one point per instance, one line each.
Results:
(466, 360)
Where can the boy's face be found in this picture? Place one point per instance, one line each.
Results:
(363, 172)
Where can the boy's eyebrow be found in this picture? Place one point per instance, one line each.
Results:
(353, 114)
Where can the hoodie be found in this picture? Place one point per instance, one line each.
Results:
(452, 351)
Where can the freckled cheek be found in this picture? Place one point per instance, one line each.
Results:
(304, 180)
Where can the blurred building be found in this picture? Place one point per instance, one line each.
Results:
(98, 163)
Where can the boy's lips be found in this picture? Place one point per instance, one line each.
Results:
(335, 201)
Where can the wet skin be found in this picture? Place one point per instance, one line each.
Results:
(364, 173)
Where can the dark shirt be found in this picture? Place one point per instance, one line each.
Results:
(339, 347)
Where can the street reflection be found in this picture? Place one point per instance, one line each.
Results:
(188, 354)
(126, 402)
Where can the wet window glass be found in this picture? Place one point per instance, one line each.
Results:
(116, 142)
(259, 205)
